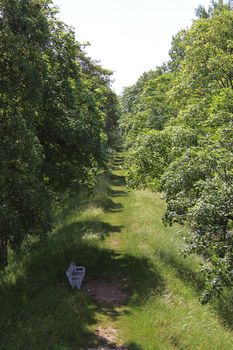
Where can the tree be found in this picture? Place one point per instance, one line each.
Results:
(190, 158)
(25, 201)
(55, 107)
(149, 109)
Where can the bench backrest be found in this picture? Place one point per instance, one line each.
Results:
(71, 268)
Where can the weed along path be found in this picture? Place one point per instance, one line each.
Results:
(139, 291)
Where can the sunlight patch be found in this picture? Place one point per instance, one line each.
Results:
(91, 236)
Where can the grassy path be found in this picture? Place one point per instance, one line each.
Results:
(120, 239)
(163, 311)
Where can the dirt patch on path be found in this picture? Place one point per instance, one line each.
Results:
(104, 348)
(109, 335)
(109, 292)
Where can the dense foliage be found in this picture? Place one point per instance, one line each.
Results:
(58, 116)
(177, 123)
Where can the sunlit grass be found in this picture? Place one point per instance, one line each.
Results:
(173, 317)
(116, 235)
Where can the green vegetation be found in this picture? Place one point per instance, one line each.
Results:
(58, 118)
(118, 236)
(177, 126)
(61, 201)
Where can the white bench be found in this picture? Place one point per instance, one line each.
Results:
(75, 275)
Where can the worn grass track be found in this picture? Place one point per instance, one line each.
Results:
(118, 236)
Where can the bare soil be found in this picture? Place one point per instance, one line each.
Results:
(109, 292)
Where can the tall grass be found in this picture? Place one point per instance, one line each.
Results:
(171, 316)
(117, 235)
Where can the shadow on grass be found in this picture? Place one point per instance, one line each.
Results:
(117, 180)
(118, 160)
(224, 308)
(183, 271)
(93, 227)
(39, 310)
(222, 305)
(118, 163)
(134, 346)
(101, 199)
(107, 204)
(115, 193)
(112, 346)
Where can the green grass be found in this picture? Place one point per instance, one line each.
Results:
(117, 235)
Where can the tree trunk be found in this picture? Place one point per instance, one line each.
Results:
(3, 252)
